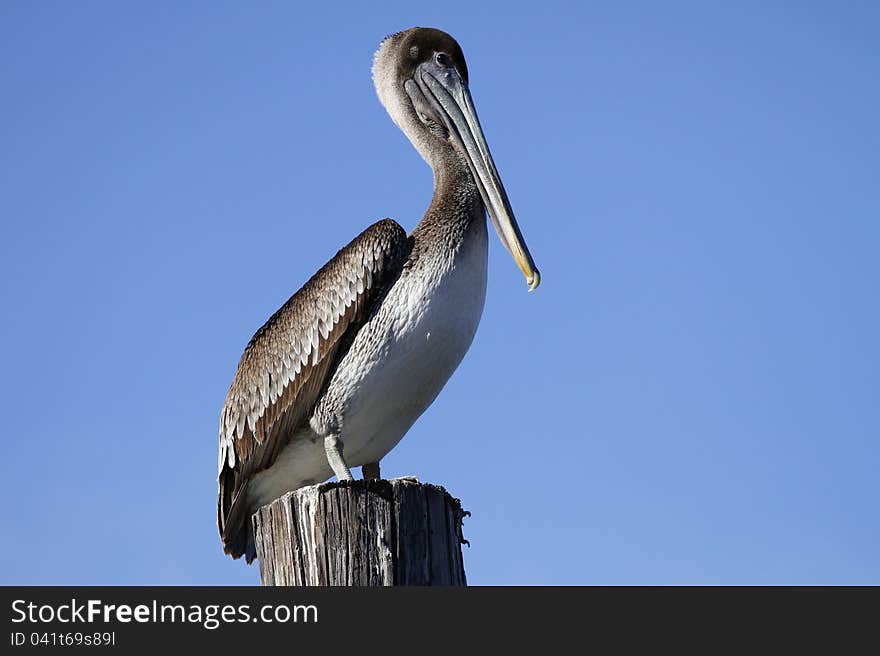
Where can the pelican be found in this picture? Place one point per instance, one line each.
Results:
(337, 376)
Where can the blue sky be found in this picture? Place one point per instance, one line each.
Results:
(690, 397)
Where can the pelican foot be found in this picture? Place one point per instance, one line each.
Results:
(371, 471)
(333, 447)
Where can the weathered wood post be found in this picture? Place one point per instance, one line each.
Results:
(368, 533)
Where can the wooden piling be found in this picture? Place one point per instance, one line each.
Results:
(361, 533)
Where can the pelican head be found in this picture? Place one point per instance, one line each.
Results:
(422, 80)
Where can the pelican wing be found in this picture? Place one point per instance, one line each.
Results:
(286, 363)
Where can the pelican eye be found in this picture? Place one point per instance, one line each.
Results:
(442, 59)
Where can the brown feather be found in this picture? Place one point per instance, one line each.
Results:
(285, 365)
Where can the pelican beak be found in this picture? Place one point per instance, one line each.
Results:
(450, 97)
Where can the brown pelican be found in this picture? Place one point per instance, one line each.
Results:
(336, 377)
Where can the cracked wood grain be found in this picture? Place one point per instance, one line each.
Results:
(361, 533)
